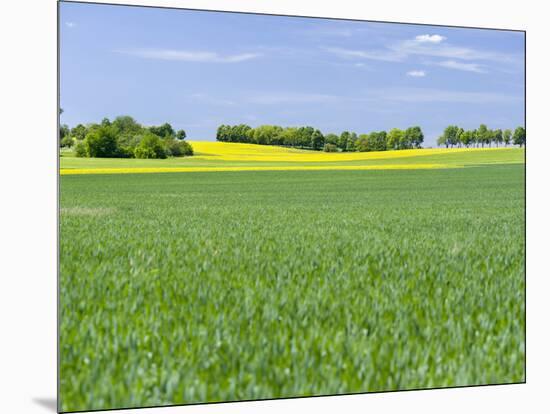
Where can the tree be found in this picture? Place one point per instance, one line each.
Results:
(304, 135)
(467, 138)
(329, 147)
(375, 141)
(343, 140)
(441, 140)
(362, 143)
(222, 133)
(317, 140)
(150, 146)
(483, 135)
(67, 141)
(395, 136)
(63, 131)
(79, 132)
(264, 134)
(507, 136)
(331, 139)
(289, 137)
(351, 142)
(164, 131)
(181, 135)
(451, 135)
(519, 136)
(414, 137)
(102, 143)
(497, 136)
(80, 149)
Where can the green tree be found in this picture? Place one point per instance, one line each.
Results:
(467, 138)
(304, 135)
(497, 136)
(332, 139)
(266, 134)
(507, 136)
(441, 140)
(414, 137)
(67, 141)
(80, 149)
(395, 137)
(451, 135)
(317, 140)
(102, 143)
(483, 135)
(63, 131)
(150, 146)
(519, 136)
(362, 144)
(343, 140)
(181, 135)
(164, 131)
(79, 132)
(352, 140)
(289, 136)
(222, 134)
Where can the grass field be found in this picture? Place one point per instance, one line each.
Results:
(212, 286)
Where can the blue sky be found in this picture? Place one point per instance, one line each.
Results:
(198, 70)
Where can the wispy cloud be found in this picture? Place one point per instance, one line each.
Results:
(70, 24)
(383, 55)
(417, 95)
(447, 50)
(430, 46)
(188, 56)
(468, 67)
(426, 38)
(416, 73)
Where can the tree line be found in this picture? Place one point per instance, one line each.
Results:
(310, 138)
(124, 137)
(482, 136)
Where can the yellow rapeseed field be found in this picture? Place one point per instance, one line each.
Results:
(251, 152)
(224, 156)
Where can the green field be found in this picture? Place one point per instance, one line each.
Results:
(212, 286)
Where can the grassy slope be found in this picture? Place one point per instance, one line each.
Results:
(179, 288)
(215, 155)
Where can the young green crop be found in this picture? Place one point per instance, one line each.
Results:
(195, 287)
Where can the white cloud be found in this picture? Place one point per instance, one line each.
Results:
(383, 55)
(468, 67)
(412, 47)
(70, 24)
(189, 56)
(426, 38)
(416, 73)
(431, 46)
(416, 95)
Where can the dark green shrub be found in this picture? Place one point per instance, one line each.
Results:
(177, 148)
(330, 148)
